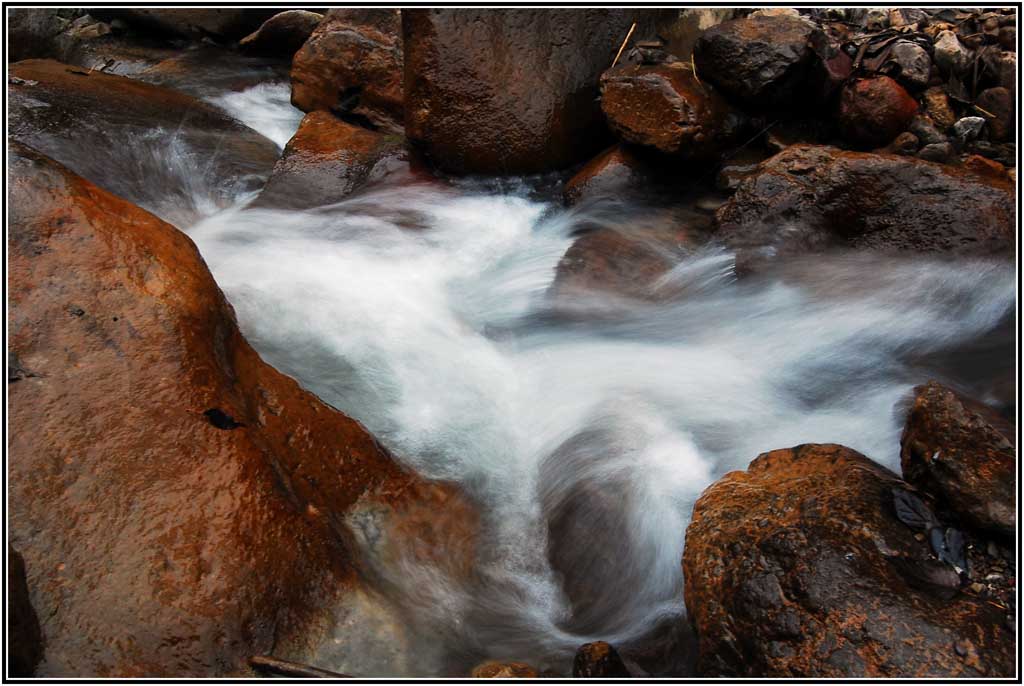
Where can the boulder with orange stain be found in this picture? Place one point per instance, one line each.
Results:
(180, 504)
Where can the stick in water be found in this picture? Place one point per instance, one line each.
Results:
(623, 46)
(271, 665)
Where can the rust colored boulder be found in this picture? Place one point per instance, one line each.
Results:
(874, 111)
(664, 107)
(180, 504)
(615, 173)
(352, 66)
(325, 161)
(510, 91)
(800, 567)
(220, 23)
(283, 34)
(504, 670)
(811, 198)
(598, 660)
(963, 453)
(761, 59)
(122, 134)
(24, 640)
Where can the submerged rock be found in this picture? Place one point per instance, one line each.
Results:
(962, 452)
(127, 136)
(511, 91)
(800, 567)
(873, 111)
(283, 34)
(180, 505)
(352, 66)
(761, 59)
(24, 639)
(809, 198)
(666, 108)
(325, 161)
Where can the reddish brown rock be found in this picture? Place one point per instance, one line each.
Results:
(123, 134)
(511, 91)
(504, 670)
(666, 108)
(283, 34)
(24, 640)
(180, 504)
(220, 23)
(997, 106)
(761, 59)
(986, 167)
(598, 660)
(810, 198)
(324, 162)
(800, 567)
(962, 452)
(873, 111)
(352, 66)
(615, 173)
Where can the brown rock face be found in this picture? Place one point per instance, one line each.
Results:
(615, 173)
(352, 65)
(324, 162)
(222, 23)
(799, 567)
(873, 111)
(962, 452)
(122, 134)
(809, 198)
(504, 670)
(283, 34)
(24, 641)
(511, 91)
(180, 504)
(666, 108)
(999, 105)
(760, 59)
(598, 660)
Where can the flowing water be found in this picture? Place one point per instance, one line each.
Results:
(423, 310)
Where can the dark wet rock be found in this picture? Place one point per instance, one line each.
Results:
(598, 660)
(799, 567)
(616, 173)
(283, 34)
(352, 66)
(509, 92)
(33, 31)
(158, 544)
(682, 31)
(950, 54)
(875, 110)
(761, 60)
(938, 107)
(504, 670)
(997, 105)
(1007, 37)
(904, 144)
(810, 198)
(912, 64)
(731, 175)
(924, 128)
(24, 639)
(325, 161)
(218, 23)
(962, 452)
(1000, 68)
(936, 152)
(666, 108)
(122, 134)
(205, 71)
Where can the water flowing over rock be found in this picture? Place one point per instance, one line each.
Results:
(219, 23)
(800, 567)
(181, 505)
(325, 161)
(665, 107)
(509, 92)
(761, 59)
(809, 198)
(283, 34)
(352, 65)
(873, 111)
(125, 136)
(962, 452)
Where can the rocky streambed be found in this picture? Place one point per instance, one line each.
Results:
(439, 342)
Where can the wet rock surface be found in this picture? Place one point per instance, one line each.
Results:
(504, 670)
(220, 23)
(467, 71)
(325, 161)
(810, 198)
(598, 660)
(963, 453)
(283, 34)
(352, 66)
(180, 505)
(109, 129)
(24, 639)
(801, 567)
(873, 111)
(615, 173)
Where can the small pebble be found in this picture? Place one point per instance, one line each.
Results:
(992, 549)
(994, 577)
(919, 536)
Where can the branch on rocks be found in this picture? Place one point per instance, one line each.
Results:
(272, 666)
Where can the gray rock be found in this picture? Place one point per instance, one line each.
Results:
(936, 152)
(950, 54)
(924, 128)
(968, 128)
(914, 64)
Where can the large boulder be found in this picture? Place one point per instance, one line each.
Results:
(218, 23)
(666, 108)
(352, 66)
(801, 567)
(809, 198)
(24, 640)
(283, 34)
(875, 110)
(325, 161)
(128, 137)
(962, 452)
(33, 31)
(511, 91)
(181, 506)
(761, 59)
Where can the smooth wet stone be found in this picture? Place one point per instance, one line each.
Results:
(598, 660)
(873, 111)
(283, 34)
(999, 112)
(219, 23)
